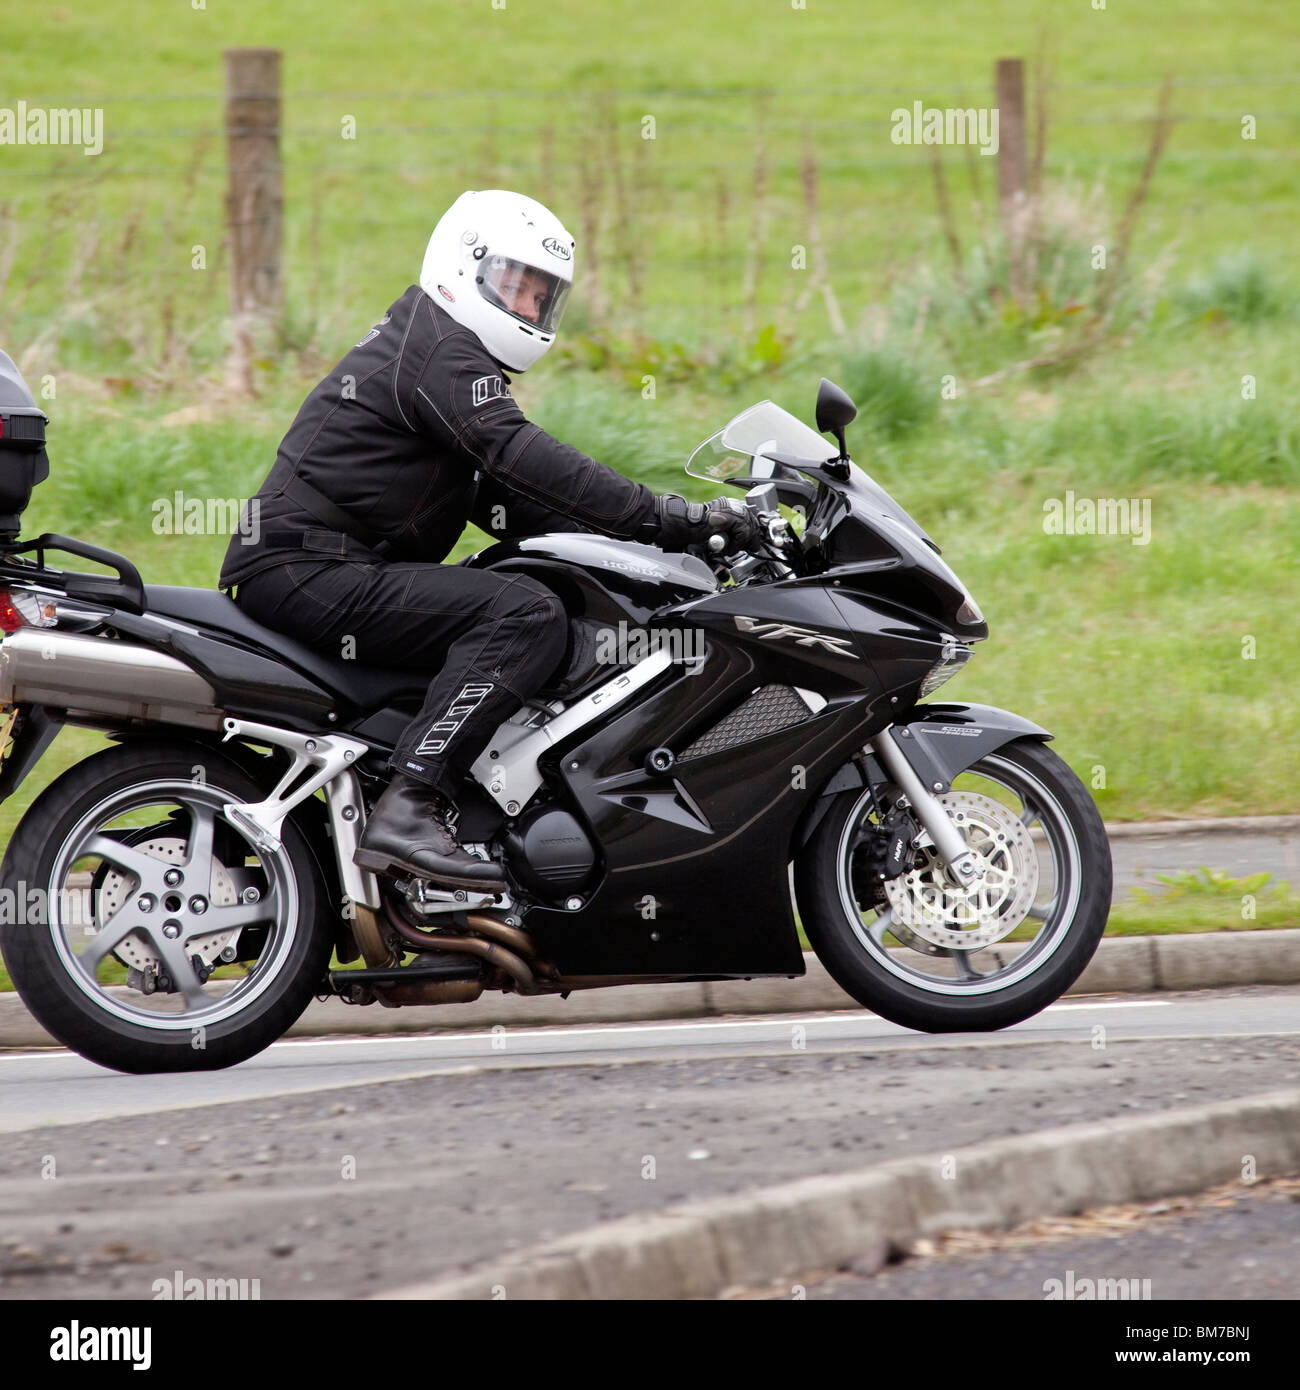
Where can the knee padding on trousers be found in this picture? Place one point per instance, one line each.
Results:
(548, 623)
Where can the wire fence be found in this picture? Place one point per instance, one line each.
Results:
(728, 92)
(734, 180)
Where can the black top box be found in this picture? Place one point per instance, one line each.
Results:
(23, 460)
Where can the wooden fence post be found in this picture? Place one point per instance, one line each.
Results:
(1009, 90)
(254, 201)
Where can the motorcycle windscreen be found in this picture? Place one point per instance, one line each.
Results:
(762, 429)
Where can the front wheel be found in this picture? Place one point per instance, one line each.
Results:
(153, 935)
(926, 954)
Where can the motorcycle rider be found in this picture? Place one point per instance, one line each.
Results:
(411, 435)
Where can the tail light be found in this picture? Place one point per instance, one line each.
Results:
(24, 610)
(11, 619)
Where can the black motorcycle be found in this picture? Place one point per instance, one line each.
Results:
(726, 728)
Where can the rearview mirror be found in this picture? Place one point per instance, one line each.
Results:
(834, 411)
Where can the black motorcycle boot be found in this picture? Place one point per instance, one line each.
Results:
(408, 832)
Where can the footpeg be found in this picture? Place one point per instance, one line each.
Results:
(427, 899)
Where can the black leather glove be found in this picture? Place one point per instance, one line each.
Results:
(683, 524)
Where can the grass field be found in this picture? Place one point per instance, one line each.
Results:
(673, 230)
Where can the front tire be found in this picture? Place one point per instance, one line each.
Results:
(912, 977)
(139, 878)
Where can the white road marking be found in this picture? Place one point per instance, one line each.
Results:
(757, 1021)
(586, 1030)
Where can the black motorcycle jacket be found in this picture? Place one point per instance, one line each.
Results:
(387, 447)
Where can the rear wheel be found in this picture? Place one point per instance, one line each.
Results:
(152, 935)
(925, 954)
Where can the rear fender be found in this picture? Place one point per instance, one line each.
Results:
(32, 733)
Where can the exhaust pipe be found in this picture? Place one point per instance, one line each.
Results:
(434, 982)
(103, 676)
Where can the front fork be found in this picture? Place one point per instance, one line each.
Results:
(961, 864)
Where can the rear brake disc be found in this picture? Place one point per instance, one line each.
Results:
(135, 950)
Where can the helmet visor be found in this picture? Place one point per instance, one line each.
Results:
(526, 292)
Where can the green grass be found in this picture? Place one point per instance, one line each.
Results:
(1206, 899)
(556, 104)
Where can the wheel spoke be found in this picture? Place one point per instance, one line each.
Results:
(876, 930)
(965, 970)
(121, 924)
(236, 915)
(176, 958)
(191, 989)
(1030, 814)
(199, 851)
(1043, 912)
(143, 866)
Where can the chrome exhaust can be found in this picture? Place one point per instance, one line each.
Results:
(100, 676)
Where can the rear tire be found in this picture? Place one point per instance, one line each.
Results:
(225, 889)
(935, 989)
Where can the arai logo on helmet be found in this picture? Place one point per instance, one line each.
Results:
(557, 248)
(446, 294)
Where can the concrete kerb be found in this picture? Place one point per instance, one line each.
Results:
(701, 1248)
(1221, 825)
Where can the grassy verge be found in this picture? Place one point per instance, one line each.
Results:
(1203, 900)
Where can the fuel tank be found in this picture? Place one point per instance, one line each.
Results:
(602, 579)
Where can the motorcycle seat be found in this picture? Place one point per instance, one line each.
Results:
(361, 686)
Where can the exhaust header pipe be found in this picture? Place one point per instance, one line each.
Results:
(100, 676)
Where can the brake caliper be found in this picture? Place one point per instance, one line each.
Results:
(890, 851)
(885, 853)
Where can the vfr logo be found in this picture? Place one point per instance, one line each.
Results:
(800, 636)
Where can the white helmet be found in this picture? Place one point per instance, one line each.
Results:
(501, 265)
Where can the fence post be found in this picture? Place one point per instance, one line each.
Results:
(254, 201)
(1009, 98)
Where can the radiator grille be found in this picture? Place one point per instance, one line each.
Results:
(768, 709)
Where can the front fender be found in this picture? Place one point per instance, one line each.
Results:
(943, 740)
(939, 741)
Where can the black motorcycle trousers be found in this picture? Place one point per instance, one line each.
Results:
(492, 639)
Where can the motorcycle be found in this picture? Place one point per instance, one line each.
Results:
(730, 736)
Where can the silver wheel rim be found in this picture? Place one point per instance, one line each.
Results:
(186, 905)
(987, 970)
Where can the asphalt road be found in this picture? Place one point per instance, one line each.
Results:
(336, 1168)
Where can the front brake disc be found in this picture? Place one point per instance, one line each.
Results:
(927, 902)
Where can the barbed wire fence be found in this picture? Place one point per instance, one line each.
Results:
(292, 215)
